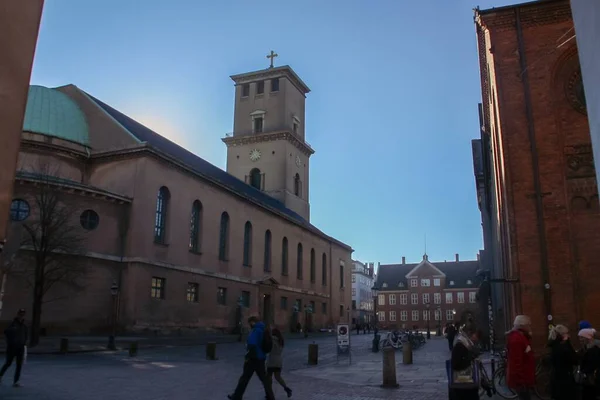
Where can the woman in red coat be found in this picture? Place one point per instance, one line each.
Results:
(521, 361)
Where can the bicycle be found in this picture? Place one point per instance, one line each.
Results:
(486, 386)
(499, 379)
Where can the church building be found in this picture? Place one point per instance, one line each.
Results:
(172, 242)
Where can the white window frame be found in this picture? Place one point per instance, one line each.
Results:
(449, 315)
(258, 114)
(414, 282)
(425, 282)
(449, 297)
(414, 298)
(392, 299)
(437, 282)
(472, 297)
(381, 300)
(403, 299)
(426, 298)
(438, 315)
(403, 315)
(392, 316)
(425, 315)
(437, 298)
(381, 316)
(460, 297)
(415, 315)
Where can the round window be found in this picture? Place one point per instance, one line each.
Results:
(89, 219)
(19, 210)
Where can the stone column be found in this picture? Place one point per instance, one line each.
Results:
(19, 22)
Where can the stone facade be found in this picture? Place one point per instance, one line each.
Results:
(410, 295)
(186, 243)
(541, 182)
(362, 295)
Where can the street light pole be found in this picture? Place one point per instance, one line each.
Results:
(305, 321)
(240, 317)
(114, 291)
(428, 318)
(375, 292)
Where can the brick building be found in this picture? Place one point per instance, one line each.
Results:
(406, 290)
(539, 180)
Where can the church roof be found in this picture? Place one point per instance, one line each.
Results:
(53, 113)
(459, 272)
(207, 170)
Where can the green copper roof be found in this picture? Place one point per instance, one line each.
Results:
(53, 113)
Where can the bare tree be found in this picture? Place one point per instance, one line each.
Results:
(54, 242)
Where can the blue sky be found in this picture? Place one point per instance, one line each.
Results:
(391, 115)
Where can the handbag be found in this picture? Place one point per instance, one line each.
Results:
(467, 378)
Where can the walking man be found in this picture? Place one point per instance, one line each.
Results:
(16, 339)
(259, 343)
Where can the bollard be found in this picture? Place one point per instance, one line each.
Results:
(389, 368)
(313, 354)
(133, 349)
(493, 366)
(64, 345)
(211, 351)
(407, 353)
(376, 340)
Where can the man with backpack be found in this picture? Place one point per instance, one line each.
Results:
(258, 345)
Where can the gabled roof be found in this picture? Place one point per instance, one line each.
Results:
(458, 272)
(424, 263)
(209, 171)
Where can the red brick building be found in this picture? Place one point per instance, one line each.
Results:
(406, 291)
(539, 178)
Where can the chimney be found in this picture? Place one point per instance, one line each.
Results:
(403, 260)
(457, 259)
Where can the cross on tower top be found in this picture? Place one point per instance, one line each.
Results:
(272, 57)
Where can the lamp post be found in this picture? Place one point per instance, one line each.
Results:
(307, 310)
(114, 291)
(240, 305)
(439, 321)
(375, 292)
(428, 318)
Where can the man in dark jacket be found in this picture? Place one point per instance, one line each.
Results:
(254, 362)
(16, 339)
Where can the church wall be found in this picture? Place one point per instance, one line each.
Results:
(295, 102)
(46, 163)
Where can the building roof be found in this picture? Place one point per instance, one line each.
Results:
(53, 113)
(207, 170)
(458, 272)
(518, 5)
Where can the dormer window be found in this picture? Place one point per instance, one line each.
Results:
(451, 283)
(384, 285)
(400, 284)
(469, 282)
(258, 120)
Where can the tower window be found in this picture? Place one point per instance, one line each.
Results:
(245, 90)
(297, 185)
(260, 87)
(256, 178)
(258, 125)
(295, 128)
(275, 85)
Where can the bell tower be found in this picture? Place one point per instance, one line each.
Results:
(267, 148)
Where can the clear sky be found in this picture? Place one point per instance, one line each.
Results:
(391, 115)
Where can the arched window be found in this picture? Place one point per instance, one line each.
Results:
(160, 220)
(224, 237)
(299, 262)
(324, 271)
(341, 276)
(284, 256)
(195, 219)
(313, 266)
(248, 244)
(297, 185)
(267, 266)
(256, 178)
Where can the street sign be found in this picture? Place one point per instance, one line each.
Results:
(343, 340)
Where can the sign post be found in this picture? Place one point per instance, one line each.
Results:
(343, 342)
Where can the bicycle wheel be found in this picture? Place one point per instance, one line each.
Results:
(499, 382)
(543, 382)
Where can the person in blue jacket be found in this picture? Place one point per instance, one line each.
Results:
(254, 362)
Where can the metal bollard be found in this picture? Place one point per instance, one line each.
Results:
(64, 345)
(211, 351)
(389, 368)
(133, 349)
(376, 339)
(313, 354)
(407, 353)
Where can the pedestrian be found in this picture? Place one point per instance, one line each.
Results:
(364, 329)
(450, 335)
(258, 345)
(563, 359)
(464, 380)
(357, 328)
(521, 360)
(275, 361)
(16, 339)
(590, 365)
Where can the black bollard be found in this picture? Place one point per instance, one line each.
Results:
(211, 351)
(133, 349)
(313, 354)
(64, 345)
(407, 353)
(376, 340)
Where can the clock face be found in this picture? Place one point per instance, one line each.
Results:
(298, 161)
(254, 155)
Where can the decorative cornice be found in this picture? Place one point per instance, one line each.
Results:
(283, 71)
(531, 14)
(232, 141)
(54, 148)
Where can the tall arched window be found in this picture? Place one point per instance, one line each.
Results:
(341, 276)
(195, 220)
(224, 237)
(297, 185)
(160, 220)
(248, 244)
(267, 265)
(284, 256)
(255, 178)
(313, 266)
(299, 262)
(324, 271)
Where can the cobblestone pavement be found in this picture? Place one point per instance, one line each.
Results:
(183, 373)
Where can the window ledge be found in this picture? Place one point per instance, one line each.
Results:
(259, 95)
(196, 252)
(247, 266)
(161, 244)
